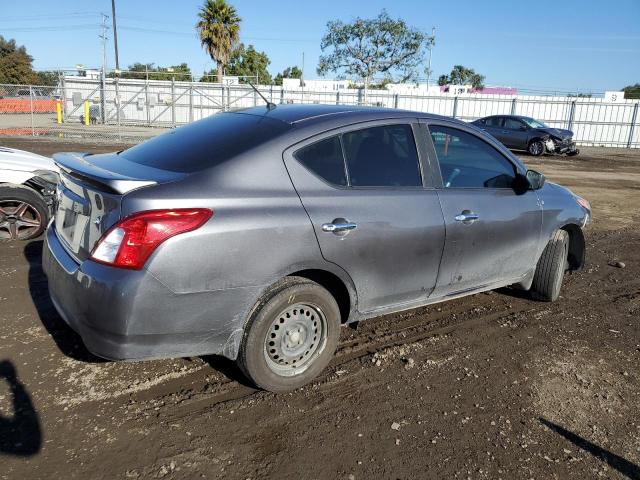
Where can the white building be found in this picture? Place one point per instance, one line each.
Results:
(315, 85)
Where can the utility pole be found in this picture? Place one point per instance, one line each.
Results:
(430, 44)
(115, 34)
(103, 36)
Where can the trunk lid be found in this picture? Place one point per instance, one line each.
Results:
(90, 194)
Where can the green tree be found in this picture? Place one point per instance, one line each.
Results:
(15, 64)
(632, 91)
(461, 75)
(138, 70)
(219, 31)
(367, 47)
(49, 79)
(289, 72)
(248, 62)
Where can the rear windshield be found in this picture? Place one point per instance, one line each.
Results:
(205, 143)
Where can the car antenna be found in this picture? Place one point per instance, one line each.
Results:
(270, 105)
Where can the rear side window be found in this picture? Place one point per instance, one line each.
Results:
(325, 159)
(206, 143)
(469, 162)
(493, 121)
(383, 156)
(512, 123)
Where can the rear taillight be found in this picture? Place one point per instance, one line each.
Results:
(130, 242)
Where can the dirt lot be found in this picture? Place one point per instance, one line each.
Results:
(491, 386)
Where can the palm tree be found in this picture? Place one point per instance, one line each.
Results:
(219, 31)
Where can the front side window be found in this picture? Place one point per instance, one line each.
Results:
(384, 156)
(466, 161)
(324, 158)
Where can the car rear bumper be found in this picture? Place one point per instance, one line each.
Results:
(130, 315)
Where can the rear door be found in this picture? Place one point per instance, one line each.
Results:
(491, 230)
(374, 210)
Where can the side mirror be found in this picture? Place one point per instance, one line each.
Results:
(535, 179)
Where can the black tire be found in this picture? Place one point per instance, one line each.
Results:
(552, 264)
(536, 147)
(258, 356)
(16, 224)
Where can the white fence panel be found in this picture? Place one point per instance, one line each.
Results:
(128, 108)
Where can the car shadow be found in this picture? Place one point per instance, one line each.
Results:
(21, 433)
(515, 293)
(68, 341)
(616, 462)
(228, 368)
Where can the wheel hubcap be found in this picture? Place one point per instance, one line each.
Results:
(18, 220)
(295, 338)
(536, 148)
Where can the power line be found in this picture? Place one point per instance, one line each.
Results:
(40, 18)
(58, 28)
(173, 32)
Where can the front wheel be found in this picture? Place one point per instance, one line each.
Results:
(23, 213)
(291, 335)
(536, 148)
(552, 264)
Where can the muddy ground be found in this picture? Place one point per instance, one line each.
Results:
(490, 386)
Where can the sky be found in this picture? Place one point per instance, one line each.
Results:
(570, 45)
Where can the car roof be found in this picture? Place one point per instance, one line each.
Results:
(313, 113)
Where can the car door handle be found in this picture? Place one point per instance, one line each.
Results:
(467, 217)
(338, 227)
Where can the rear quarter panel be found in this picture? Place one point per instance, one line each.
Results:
(259, 227)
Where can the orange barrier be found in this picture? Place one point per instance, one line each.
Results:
(23, 105)
(23, 131)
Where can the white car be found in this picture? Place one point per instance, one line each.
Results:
(27, 187)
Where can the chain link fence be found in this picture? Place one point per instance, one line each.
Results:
(128, 110)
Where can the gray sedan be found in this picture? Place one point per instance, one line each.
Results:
(526, 133)
(257, 234)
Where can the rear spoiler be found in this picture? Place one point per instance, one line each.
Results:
(76, 165)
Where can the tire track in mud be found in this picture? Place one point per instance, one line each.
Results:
(381, 334)
(183, 397)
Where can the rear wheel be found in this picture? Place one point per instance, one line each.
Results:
(536, 148)
(291, 336)
(552, 264)
(23, 213)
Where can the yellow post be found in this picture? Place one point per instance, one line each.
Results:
(86, 113)
(59, 111)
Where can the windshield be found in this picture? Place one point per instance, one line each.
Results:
(533, 123)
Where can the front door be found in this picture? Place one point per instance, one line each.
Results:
(363, 191)
(515, 133)
(491, 230)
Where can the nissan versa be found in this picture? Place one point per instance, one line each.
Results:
(257, 234)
